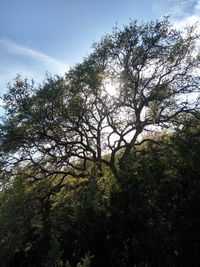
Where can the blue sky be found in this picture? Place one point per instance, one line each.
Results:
(51, 35)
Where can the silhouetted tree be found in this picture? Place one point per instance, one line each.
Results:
(65, 126)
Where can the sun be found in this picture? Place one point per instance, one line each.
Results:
(110, 88)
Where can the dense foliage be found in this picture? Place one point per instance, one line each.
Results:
(94, 179)
(148, 218)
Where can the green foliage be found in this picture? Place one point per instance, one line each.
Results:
(149, 217)
(72, 195)
(85, 262)
(14, 220)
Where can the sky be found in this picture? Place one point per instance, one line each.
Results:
(39, 36)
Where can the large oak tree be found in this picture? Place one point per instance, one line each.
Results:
(68, 125)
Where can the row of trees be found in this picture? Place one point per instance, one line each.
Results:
(102, 177)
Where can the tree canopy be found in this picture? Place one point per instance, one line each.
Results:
(69, 125)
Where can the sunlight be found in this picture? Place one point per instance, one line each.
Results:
(110, 88)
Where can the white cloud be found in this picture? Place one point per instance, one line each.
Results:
(20, 59)
(14, 48)
(181, 12)
(187, 21)
(185, 13)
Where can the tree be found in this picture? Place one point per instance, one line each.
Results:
(71, 125)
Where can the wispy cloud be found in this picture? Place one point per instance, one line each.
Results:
(186, 13)
(30, 63)
(181, 12)
(182, 8)
(14, 48)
